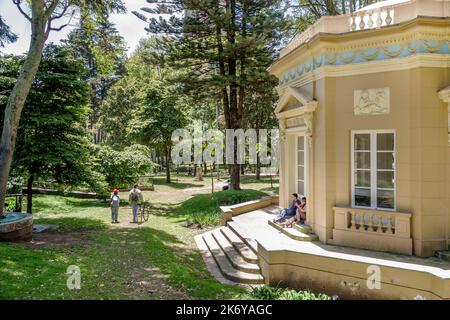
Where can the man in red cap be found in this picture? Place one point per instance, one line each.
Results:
(115, 203)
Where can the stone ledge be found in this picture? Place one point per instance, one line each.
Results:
(228, 212)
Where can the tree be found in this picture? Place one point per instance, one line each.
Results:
(42, 15)
(125, 98)
(222, 45)
(259, 110)
(51, 140)
(122, 168)
(306, 12)
(103, 50)
(159, 117)
(6, 35)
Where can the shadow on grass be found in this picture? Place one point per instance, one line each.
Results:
(113, 266)
(182, 266)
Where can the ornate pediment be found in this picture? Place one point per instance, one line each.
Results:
(295, 113)
(293, 99)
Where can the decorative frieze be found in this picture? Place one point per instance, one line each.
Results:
(294, 122)
(373, 101)
(388, 49)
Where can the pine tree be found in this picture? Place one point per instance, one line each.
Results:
(223, 46)
(51, 140)
(6, 35)
(103, 50)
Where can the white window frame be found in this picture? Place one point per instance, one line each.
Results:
(305, 164)
(373, 168)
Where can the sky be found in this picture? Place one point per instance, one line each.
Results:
(128, 25)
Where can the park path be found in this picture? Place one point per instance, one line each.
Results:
(163, 200)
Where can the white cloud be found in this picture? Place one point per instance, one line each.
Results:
(128, 25)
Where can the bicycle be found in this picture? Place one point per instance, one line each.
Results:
(144, 212)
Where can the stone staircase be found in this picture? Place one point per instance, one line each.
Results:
(444, 254)
(297, 232)
(231, 253)
(234, 255)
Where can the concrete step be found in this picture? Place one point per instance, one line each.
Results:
(293, 233)
(243, 235)
(273, 209)
(237, 261)
(303, 228)
(443, 255)
(239, 245)
(225, 266)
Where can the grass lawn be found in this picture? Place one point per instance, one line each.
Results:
(157, 260)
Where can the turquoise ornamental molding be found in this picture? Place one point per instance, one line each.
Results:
(381, 53)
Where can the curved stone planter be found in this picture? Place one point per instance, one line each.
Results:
(16, 226)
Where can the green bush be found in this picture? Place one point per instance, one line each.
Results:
(10, 204)
(204, 209)
(272, 293)
(123, 168)
(15, 184)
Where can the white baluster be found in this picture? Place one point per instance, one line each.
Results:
(353, 24)
(388, 19)
(370, 22)
(392, 224)
(379, 20)
(362, 24)
(350, 220)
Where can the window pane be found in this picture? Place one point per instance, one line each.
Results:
(362, 178)
(385, 141)
(362, 197)
(300, 173)
(385, 199)
(301, 143)
(385, 160)
(300, 187)
(362, 160)
(385, 179)
(301, 158)
(362, 141)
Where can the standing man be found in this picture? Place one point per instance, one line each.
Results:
(135, 198)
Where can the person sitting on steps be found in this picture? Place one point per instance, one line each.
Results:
(287, 212)
(300, 215)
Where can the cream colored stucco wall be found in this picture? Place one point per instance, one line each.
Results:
(419, 118)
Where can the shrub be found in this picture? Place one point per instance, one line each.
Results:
(275, 293)
(204, 209)
(123, 168)
(15, 184)
(10, 204)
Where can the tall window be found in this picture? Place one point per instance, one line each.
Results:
(373, 168)
(301, 164)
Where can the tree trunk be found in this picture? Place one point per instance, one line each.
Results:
(205, 168)
(30, 194)
(258, 169)
(19, 94)
(235, 177)
(167, 165)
